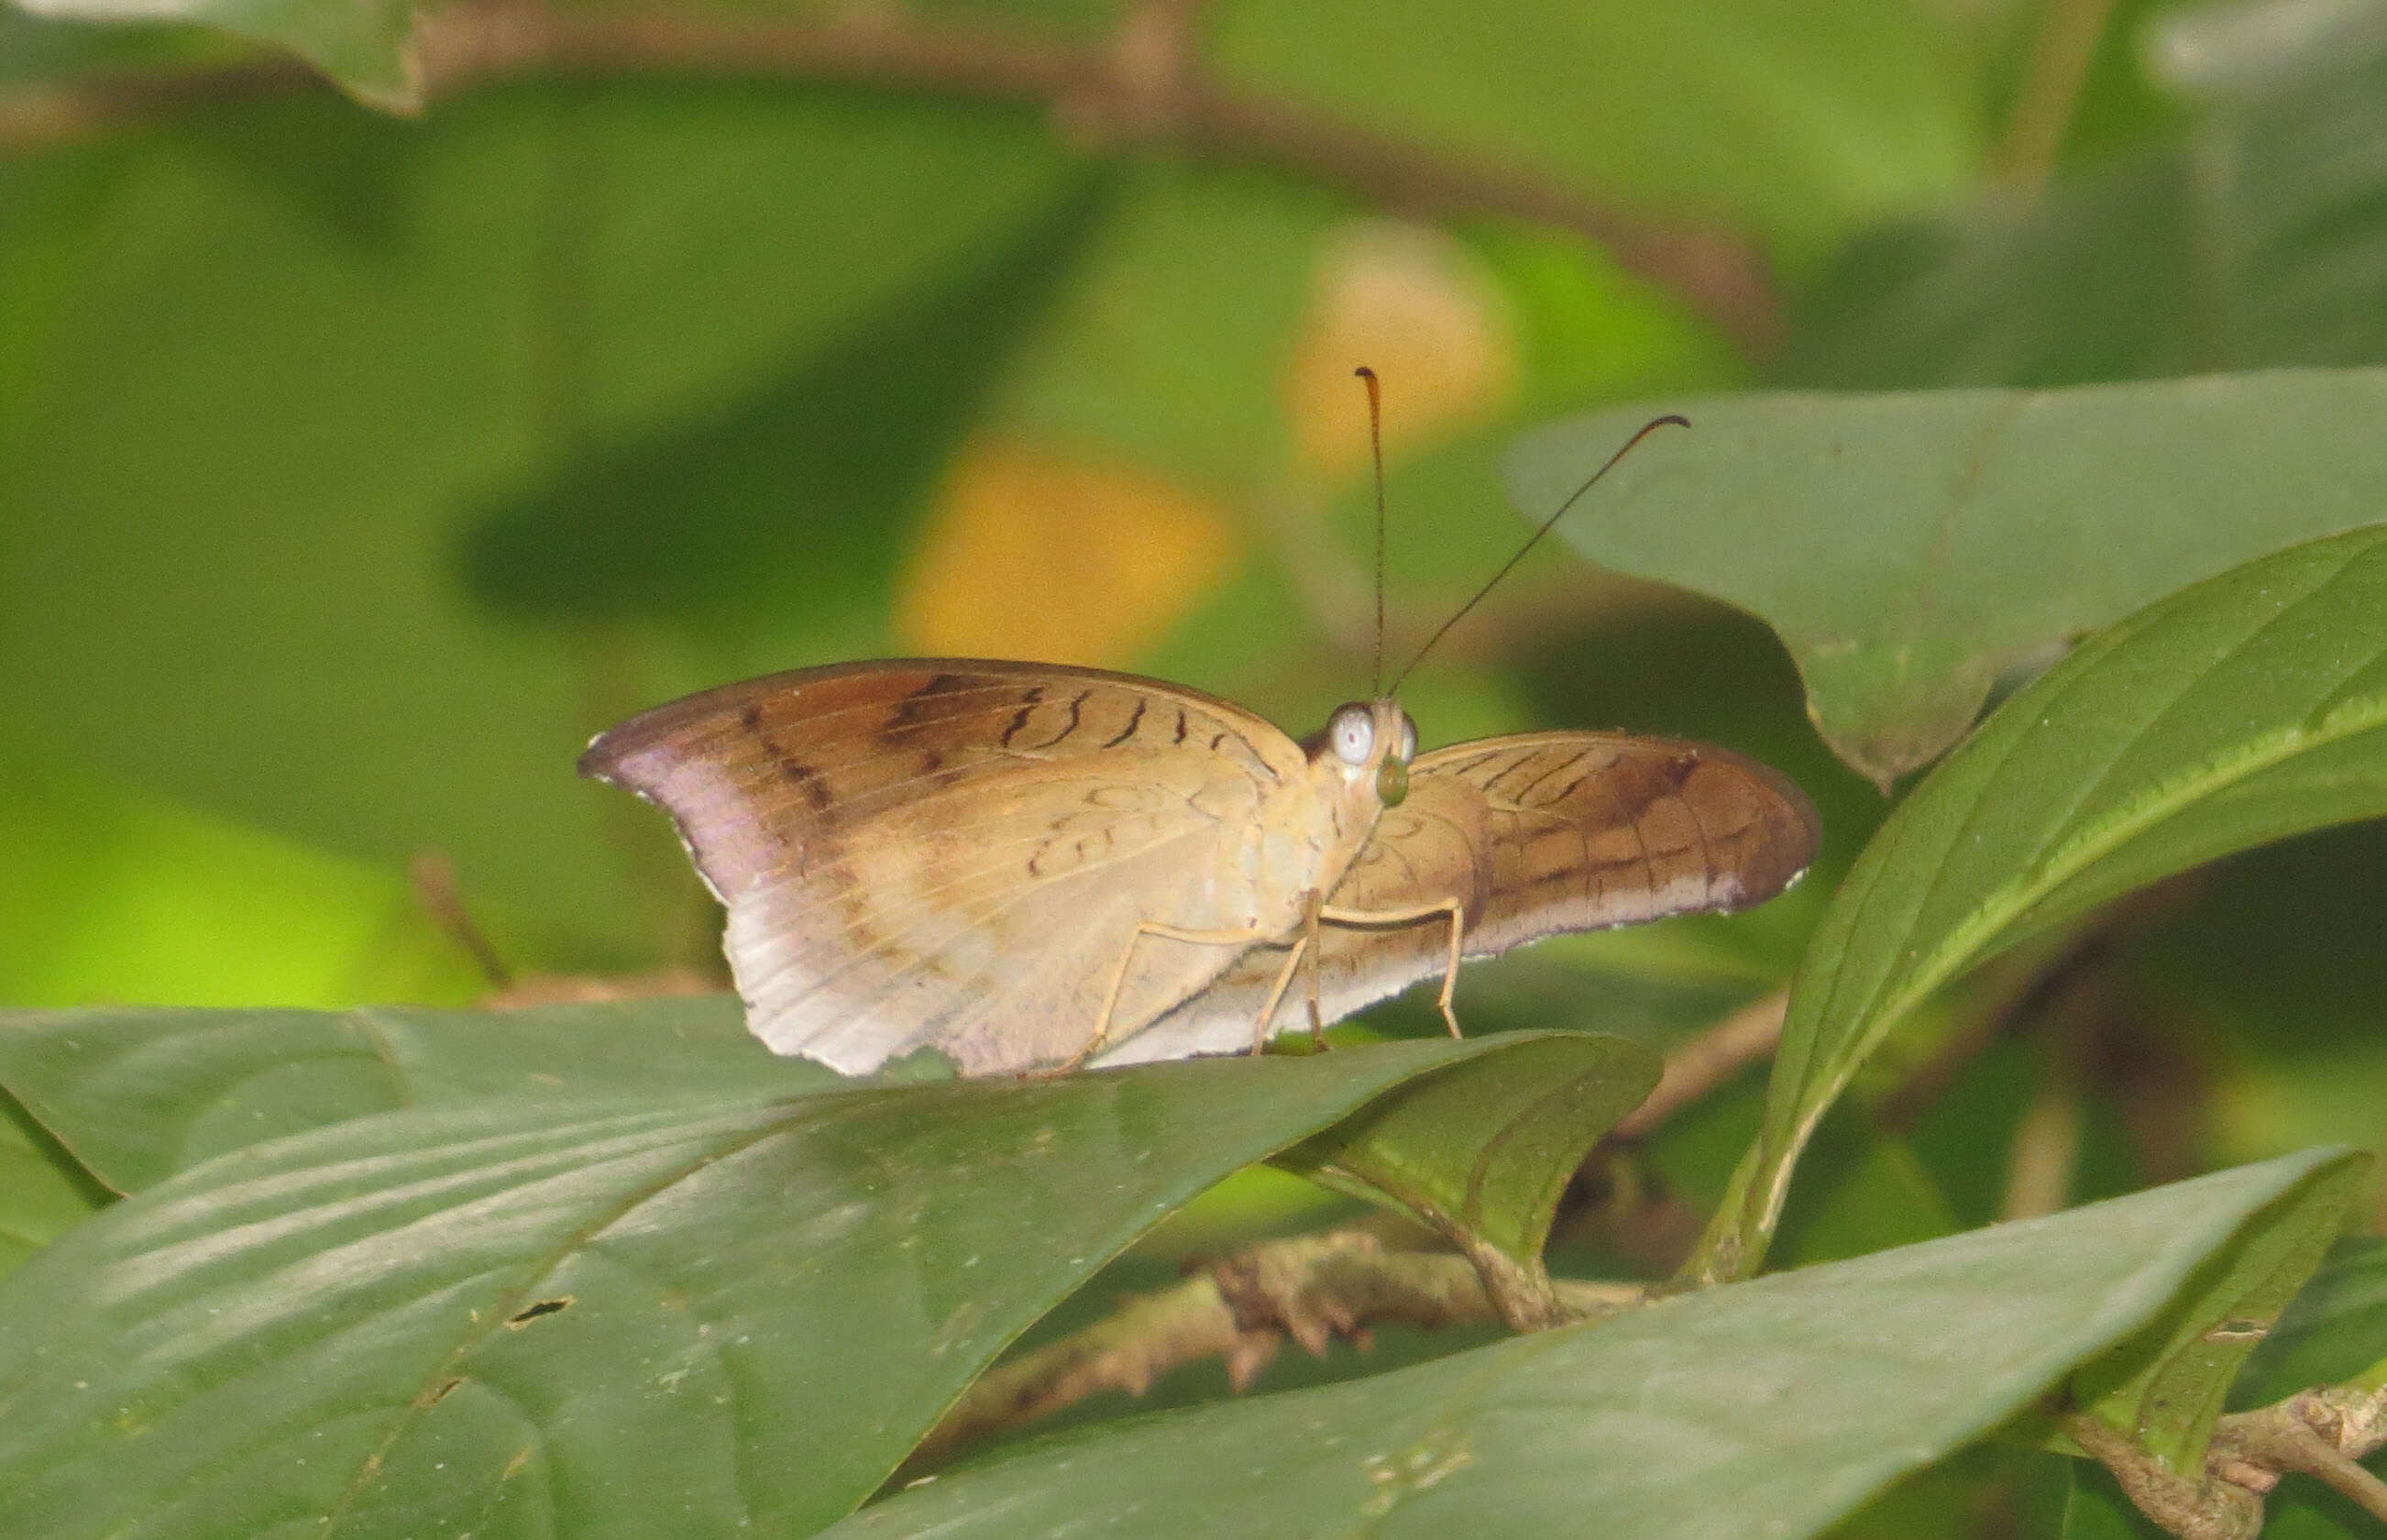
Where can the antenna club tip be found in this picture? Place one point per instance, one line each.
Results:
(1676, 418)
(1363, 373)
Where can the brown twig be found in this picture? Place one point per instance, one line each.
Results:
(2061, 55)
(2203, 1507)
(2323, 1433)
(1145, 84)
(433, 875)
(1696, 1066)
(1312, 1288)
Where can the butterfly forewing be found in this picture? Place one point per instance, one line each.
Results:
(1534, 835)
(954, 854)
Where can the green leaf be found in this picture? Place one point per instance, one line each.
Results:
(821, 469)
(366, 45)
(140, 1095)
(2334, 1334)
(1486, 1148)
(1168, 347)
(1797, 117)
(663, 1316)
(1913, 548)
(43, 1193)
(2247, 708)
(110, 894)
(561, 267)
(1771, 1408)
(2254, 237)
(2166, 1386)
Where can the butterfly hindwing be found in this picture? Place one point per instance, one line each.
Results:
(1534, 835)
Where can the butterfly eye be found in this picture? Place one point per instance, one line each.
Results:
(1352, 732)
(1408, 737)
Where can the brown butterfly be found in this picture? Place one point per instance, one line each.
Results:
(1034, 866)
(1028, 865)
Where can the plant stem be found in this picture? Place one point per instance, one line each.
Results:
(1312, 1288)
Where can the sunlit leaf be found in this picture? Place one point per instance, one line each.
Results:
(667, 1315)
(111, 895)
(1015, 527)
(140, 1095)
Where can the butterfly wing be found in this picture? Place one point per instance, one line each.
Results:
(1534, 835)
(955, 852)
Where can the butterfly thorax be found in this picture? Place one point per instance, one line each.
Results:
(1314, 825)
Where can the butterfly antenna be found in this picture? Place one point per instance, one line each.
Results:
(1367, 376)
(1550, 524)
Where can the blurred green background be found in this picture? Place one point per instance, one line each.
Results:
(355, 466)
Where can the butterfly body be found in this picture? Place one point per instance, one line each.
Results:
(1029, 865)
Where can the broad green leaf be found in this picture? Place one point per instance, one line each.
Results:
(43, 1193)
(2254, 237)
(2165, 1387)
(140, 1095)
(1486, 1146)
(1771, 1408)
(366, 45)
(1797, 117)
(597, 1317)
(2247, 708)
(2334, 1334)
(1913, 548)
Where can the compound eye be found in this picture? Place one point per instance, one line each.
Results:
(1351, 732)
(1408, 737)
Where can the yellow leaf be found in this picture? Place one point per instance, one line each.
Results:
(1409, 302)
(1035, 555)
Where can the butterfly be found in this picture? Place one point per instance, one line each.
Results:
(1031, 867)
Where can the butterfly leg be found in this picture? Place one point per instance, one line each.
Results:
(1119, 977)
(1316, 908)
(1301, 949)
(1411, 916)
